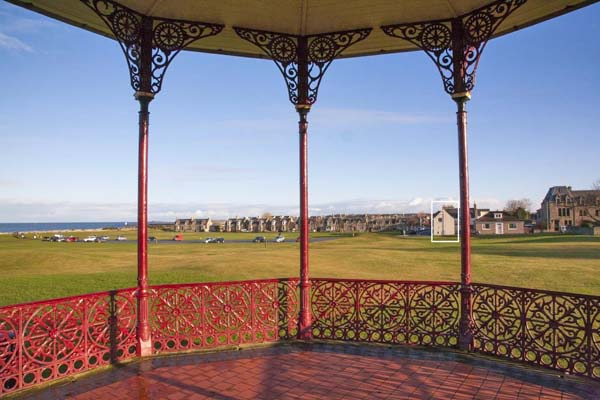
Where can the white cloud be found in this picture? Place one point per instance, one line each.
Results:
(15, 24)
(13, 210)
(12, 43)
(327, 118)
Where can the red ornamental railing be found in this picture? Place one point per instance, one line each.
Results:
(43, 341)
(422, 313)
(551, 329)
(200, 316)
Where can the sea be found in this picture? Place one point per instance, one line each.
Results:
(61, 226)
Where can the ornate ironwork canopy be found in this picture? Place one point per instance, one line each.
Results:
(302, 18)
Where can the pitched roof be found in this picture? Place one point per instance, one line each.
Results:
(506, 217)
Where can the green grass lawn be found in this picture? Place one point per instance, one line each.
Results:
(34, 270)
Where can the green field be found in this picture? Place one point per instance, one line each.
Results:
(34, 270)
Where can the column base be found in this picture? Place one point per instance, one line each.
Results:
(144, 348)
(305, 332)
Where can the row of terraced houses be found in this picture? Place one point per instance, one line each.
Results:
(562, 210)
(328, 223)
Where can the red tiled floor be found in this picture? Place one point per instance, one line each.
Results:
(323, 371)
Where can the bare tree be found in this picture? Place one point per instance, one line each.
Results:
(520, 208)
(514, 205)
(596, 184)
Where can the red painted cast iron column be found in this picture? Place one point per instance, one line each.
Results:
(466, 318)
(305, 324)
(303, 107)
(460, 49)
(144, 97)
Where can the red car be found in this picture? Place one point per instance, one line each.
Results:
(178, 238)
(72, 239)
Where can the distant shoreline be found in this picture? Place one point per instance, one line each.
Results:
(72, 230)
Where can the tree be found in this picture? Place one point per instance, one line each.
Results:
(596, 184)
(519, 208)
(513, 206)
(267, 215)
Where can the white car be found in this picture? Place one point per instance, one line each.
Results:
(280, 239)
(90, 239)
(121, 238)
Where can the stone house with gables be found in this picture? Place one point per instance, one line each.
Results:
(260, 224)
(192, 225)
(564, 208)
(445, 222)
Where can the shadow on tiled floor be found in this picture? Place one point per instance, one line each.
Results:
(323, 371)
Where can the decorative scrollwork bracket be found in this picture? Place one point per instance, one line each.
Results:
(455, 46)
(149, 44)
(302, 60)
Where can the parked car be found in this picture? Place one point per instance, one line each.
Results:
(57, 238)
(46, 239)
(99, 240)
(121, 238)
(178, 237)
(280, 239)
(153, 239)
(105, 237)
(260, 239)
(72, 239)
(208, 240)
(90, 239)
(219, 240)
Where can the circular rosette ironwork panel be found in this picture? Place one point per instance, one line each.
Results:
(53, 333)
(111, 321)
(436, 37)
(555, 327)
(334, 309)
(434, 314)
(228, 308)
(383, 312)
(266, 310)
(289, 308)
(478, 27)
(283, 49)
(322, 49)
(126, 26)
(168, 36)
(497, 318)
(176, 312)
(8, 342)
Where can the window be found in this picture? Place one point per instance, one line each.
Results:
(568, 212)
(581, 213)
(597, 213)
(486, 226)
(512, 225)
(498, 215)
(560, 212)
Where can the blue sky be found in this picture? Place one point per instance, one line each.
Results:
(223, 135)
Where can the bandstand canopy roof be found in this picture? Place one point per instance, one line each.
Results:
(302, 17)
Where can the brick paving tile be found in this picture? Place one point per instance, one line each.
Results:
(322, 371)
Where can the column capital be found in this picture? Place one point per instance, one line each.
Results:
(148, 40)
(455, 45)
(302, 60)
